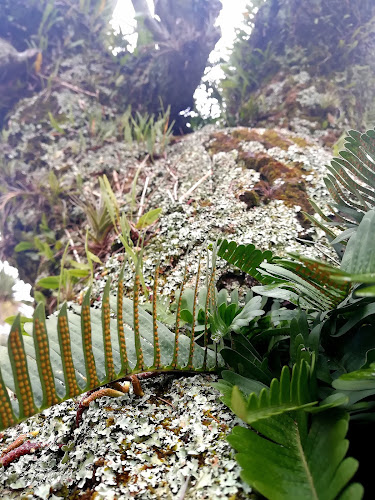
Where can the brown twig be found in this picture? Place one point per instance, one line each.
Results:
(70, 86)
(167, 402)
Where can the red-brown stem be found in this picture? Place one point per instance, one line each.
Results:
(25, 449)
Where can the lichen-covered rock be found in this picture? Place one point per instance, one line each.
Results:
(143, 448)
(282, 169)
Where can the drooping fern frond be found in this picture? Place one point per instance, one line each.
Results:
(351, 184)
(69, 354)
(305, 282)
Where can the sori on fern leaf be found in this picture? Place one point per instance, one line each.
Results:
(71, 353)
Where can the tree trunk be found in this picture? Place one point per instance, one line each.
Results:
(170, 69)
(305, 62)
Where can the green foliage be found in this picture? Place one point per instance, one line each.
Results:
(351, 184)
(153, 132)
(297, 381)
(219, 312)
(309, 283)
(245, 257)
(290, 393)
(71, 354)
(287, 458)
(279, 39)
(302, 281)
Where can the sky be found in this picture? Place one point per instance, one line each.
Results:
(229, 19)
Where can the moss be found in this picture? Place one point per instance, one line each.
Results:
(300, 141)
(272, 139)
(251, 198)
(293, 193)
(254, 161)
(221, 142)
(274, 169)
(292, 190)
(246, 134)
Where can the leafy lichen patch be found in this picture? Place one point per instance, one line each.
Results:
(152, 446)
(214, 208)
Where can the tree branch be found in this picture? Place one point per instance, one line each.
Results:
(159, 33)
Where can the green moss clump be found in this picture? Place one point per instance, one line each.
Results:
(272, 139)
(221, 142)
(246, 134)
(300, 141)
(274, 169)
(294, 193)
(251, 198)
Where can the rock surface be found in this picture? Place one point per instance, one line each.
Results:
(143, 448)
(147, 448)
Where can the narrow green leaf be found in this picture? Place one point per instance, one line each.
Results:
(51, 282)
(148, 218)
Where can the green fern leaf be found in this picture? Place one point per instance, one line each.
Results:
(305, 282)
(359, 257)
(288, 394)
(290, 460)
(66, 355)
(351, 182)
(245, 257)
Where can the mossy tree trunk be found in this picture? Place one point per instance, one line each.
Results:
(329, 43)
(172, 54)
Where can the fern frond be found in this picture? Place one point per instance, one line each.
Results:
(306, 282)
(191, 353)
(156, 364)
(137, 337)
(245, 257)
(106, 320)
(289, 460)
(67, 355)
(90, 367)
(178, 319)
(70, 378)
(125, 367)
(314, 280)
(351, 181)
(288, 394)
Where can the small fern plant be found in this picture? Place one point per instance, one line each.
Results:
(69, 354)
